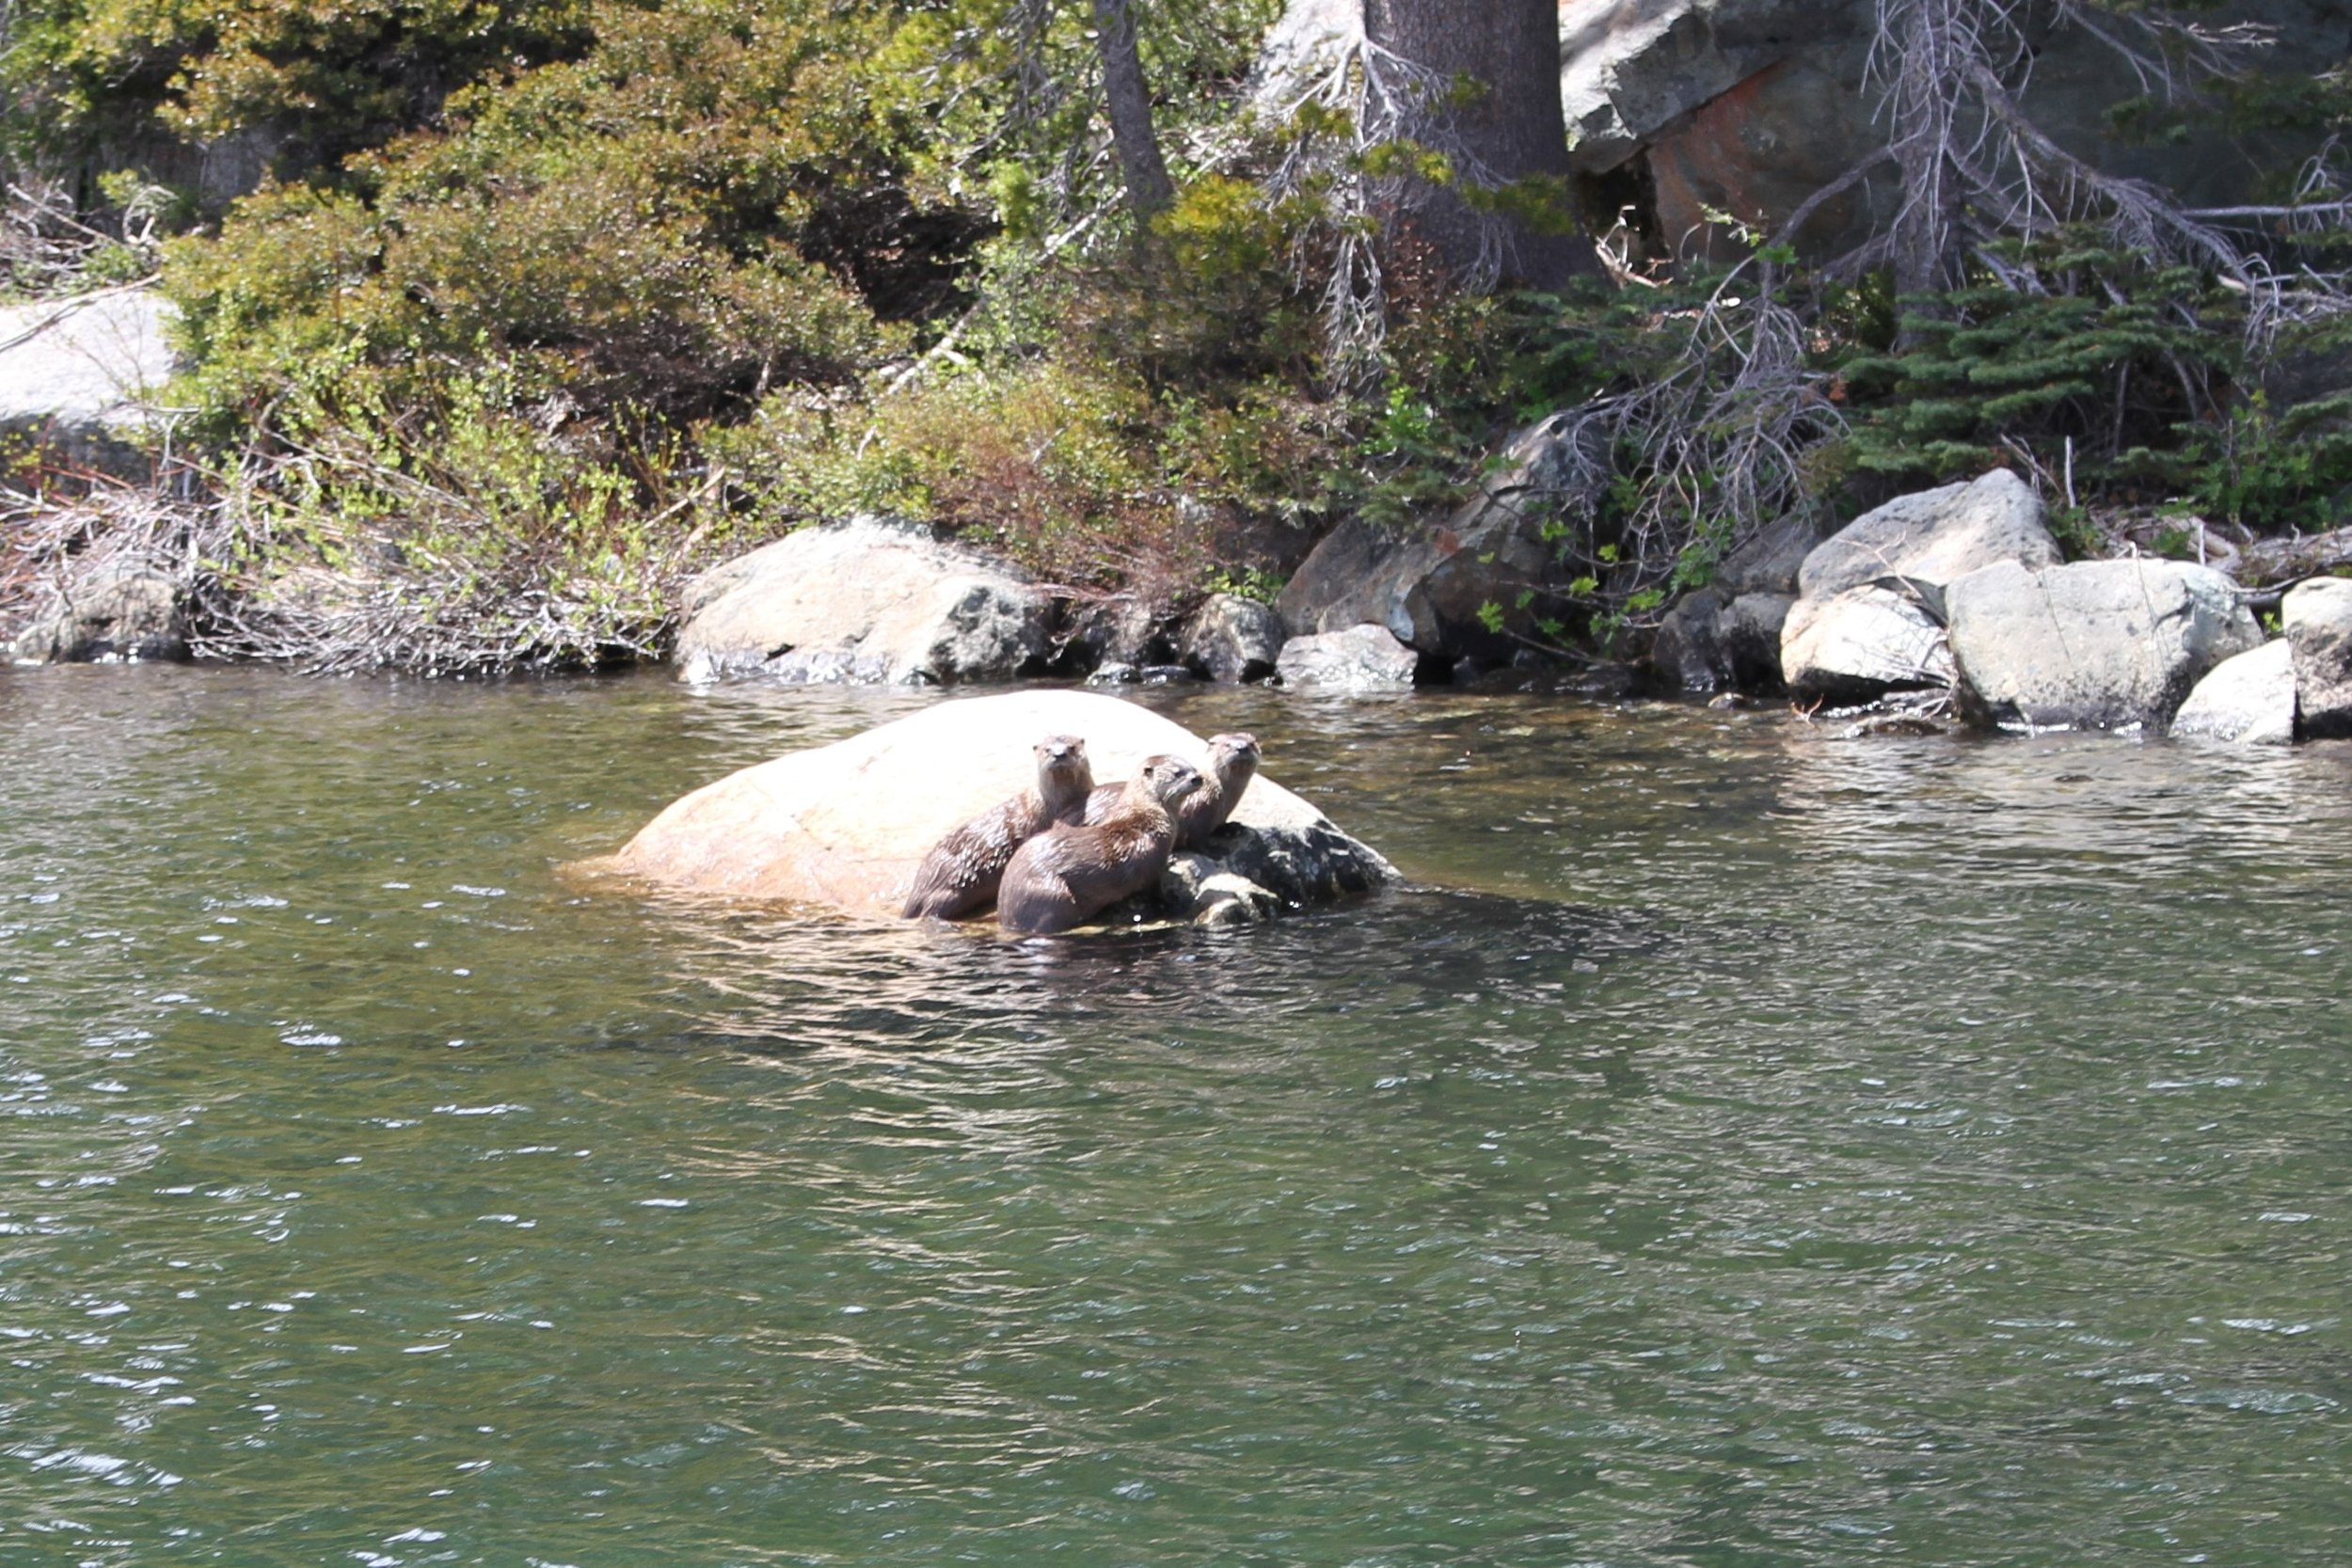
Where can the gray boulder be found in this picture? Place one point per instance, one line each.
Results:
(134, 615)
(1098, 635)
(2317, 615)
(2100, 644)
(2247, 698)
(1934, 537)
(1861, 644)
(1769, 560)
(1233, 639)
(1361, 659)
(1428, 585)
(81, 377)
(864, 602)
(1709, 642)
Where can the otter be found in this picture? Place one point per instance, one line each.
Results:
(1072, 874)
(1232, 762)
(959, 877)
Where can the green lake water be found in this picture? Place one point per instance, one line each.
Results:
(1744, 1148)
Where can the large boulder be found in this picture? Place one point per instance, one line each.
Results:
(81, 377)
(1233, 639)
(1713, 118)
(130, 615)
(1711, 641)
(1861, 644)
(864, 602)
(1432, 586)
(1361, 659)
(1711, 115)
(2317, 617)
(1934, 537)
(846, 825)
(2100, 644)
(1727, 634)
(2247, 698)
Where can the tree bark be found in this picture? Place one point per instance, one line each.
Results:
(1129, 101)
(1515, 127)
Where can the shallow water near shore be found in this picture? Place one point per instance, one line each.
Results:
(1741, 1146)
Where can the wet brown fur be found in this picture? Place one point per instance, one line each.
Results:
(1067, 875)
(960, 875)
(1232, 762)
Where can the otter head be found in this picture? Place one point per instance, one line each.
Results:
(1063, 773)
(1168, 780)
(1233, 758)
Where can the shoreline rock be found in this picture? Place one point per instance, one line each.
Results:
(864, 602)
(844, 826)
(2100, 644)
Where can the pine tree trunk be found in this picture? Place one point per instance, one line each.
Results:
(1515, 127)
(1129, 101)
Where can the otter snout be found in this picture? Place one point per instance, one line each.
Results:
(1171, 778)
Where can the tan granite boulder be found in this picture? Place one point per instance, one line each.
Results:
(846, 825)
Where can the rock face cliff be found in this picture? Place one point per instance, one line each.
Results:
(1684, 111)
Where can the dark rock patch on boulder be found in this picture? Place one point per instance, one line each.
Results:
(1428, 585)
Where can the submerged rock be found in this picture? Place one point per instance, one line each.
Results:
(864, 602)
(1361, 659)
(2317, 617)
(2100, 644)
(2247, 698)
(846, 825)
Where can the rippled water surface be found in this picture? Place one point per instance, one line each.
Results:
(1766, 1150)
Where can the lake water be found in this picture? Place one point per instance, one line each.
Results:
(1746, 1148)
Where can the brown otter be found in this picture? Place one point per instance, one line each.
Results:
(1232, 762)
(959, 877)
(1072, 874)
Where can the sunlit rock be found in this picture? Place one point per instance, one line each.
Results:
(2247, 698)
(1934, 537)
(865, 602)
(2100, 644)
(1360, 659)
(846, 825)
(1233, 639)
(2317, 617)
(1861, 644)
(80, 378)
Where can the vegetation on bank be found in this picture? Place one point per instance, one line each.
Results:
(541, 308)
